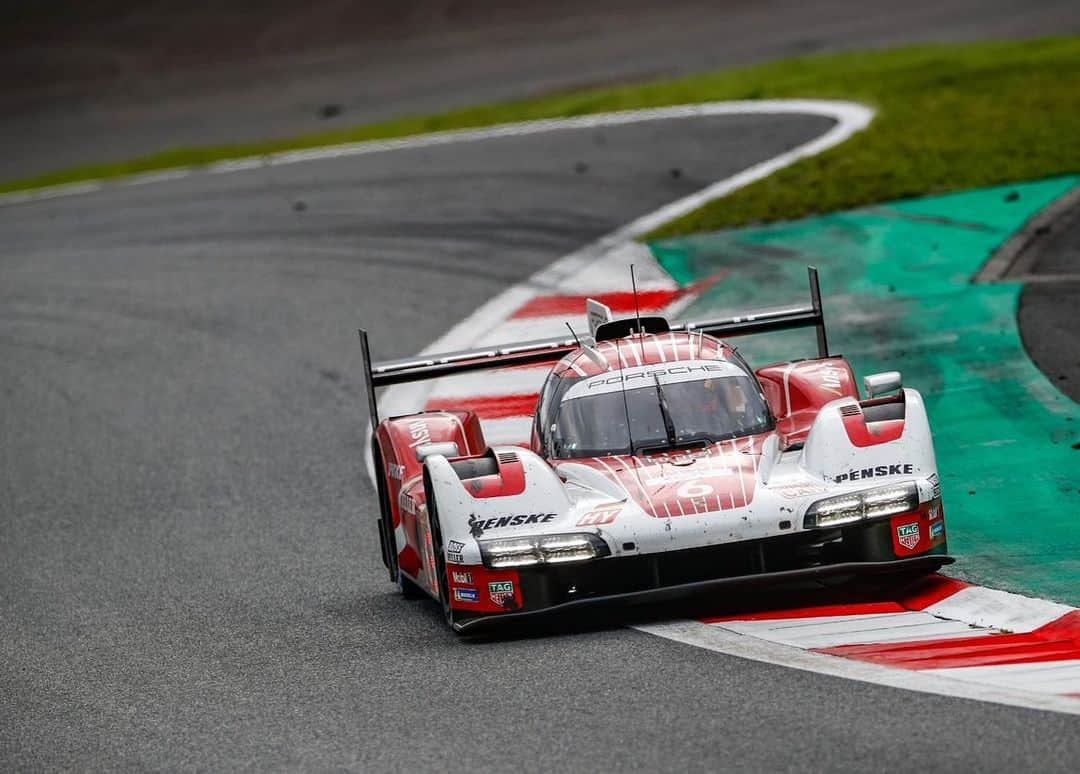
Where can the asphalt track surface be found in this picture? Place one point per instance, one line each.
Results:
(1047, 314)
(189, 571)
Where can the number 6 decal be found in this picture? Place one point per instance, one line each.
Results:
(692, 489)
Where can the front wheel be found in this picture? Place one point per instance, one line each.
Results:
(440, 553)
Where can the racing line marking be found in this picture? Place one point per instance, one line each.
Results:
(1032, 653)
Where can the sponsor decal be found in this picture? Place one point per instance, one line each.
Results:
(466, 595)
(648, 375)
(858, 474)
(688, 475)
(407, 503)
(937, 529)
(934, 512)
(461, 577)
(908, 535)
(501, 591)
(478, 526)
(604, 515)
(454, 558)
(935, 483)
(830, 375)
(396, 471)
(455, 546)
(419, 432)
(795, 491)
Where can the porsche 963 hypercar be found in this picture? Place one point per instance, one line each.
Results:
(661, 463)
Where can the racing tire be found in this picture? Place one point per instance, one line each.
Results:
(407, 587)
(440, 553)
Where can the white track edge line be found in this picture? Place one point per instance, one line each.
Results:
(728, 643)
(845, 112)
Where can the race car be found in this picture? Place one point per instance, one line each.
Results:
(660, 464)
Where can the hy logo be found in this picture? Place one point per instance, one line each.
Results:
(908, 535)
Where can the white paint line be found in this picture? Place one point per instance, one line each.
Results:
(492, 383)
(728, 643)
(999, 609)
(52, 192)
(853, 630)
(1051, 677)
(847, 113)
(513, 430)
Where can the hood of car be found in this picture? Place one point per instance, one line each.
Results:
(720, 477)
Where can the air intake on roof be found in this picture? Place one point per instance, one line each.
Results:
(617, 329)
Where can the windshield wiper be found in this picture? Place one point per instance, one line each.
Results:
(686, 443)
(669, 426)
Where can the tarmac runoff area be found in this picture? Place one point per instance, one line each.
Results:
(190, 530)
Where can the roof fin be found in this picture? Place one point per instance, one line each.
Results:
(597, 313)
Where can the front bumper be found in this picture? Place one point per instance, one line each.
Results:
(917, 565)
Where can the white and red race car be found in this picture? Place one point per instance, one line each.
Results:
(660, 464)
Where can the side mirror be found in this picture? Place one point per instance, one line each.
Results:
(879, 384)
(449, 449)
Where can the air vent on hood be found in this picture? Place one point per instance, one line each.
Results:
(850, 410)
(507, 458)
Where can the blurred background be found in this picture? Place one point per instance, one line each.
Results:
(101, 81)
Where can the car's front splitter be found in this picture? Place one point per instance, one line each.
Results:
(914, 565)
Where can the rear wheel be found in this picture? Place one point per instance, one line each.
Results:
(387, 542)
(408, 589)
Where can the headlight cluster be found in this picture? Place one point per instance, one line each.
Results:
(861, 506)
(543, 549)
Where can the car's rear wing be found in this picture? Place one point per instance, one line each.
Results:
(423, 367)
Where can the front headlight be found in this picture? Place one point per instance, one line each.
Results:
(860, 506)
(543, 549)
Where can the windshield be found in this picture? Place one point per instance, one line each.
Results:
(699, 411)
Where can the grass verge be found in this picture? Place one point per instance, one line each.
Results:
(950, 118)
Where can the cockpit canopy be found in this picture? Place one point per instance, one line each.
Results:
(679, 404)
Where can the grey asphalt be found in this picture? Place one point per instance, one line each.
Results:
(189, 572)
(1047, 314)
(91, 82)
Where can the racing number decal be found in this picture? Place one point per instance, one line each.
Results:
(694, 489)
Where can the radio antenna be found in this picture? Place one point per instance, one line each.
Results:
(637, 315)
(573, 334)
(625, 402)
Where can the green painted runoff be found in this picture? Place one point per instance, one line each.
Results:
(897, 281)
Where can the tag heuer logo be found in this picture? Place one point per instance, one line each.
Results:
(908, 535)
(499, 591)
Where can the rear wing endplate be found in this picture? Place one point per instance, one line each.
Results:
(423, 367)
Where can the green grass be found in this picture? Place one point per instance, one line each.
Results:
(950, 118)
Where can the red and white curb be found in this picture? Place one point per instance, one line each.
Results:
(943, 637)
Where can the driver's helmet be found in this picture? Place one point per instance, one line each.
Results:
(712, 396)
(722, 395)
